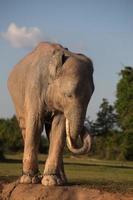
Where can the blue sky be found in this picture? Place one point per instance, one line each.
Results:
(101, 29)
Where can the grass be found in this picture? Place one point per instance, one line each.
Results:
(109, 175)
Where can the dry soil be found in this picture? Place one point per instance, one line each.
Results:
(15, 191)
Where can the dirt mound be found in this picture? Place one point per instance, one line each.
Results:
(15, 191)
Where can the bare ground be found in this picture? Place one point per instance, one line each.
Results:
(15, 191)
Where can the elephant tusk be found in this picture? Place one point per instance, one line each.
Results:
(68, 139)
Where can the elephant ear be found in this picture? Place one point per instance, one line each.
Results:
(56, 63)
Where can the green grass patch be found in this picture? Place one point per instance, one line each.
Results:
(109, 175)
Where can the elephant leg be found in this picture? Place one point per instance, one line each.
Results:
(62, 172)
(57, 141)
(22, 126)
(31, 135)
(48, 125)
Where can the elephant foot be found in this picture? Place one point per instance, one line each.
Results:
(28, 178)
(51, 180)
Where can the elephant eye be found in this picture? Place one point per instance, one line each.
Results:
(67, 94)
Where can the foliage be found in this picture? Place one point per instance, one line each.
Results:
(11, 137)
(106, 118)
(106, 140)
(126, 147)
(108, 147)
(124, 107)
(10, 134)
(109, 142)
(124, 102)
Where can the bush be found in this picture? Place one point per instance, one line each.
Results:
(115, 146)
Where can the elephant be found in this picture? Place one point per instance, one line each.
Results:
(51, 87)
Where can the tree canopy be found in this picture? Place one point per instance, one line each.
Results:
(124, 107)
(124, 102)
(106, 118)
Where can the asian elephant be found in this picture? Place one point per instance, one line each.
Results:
(51, 86)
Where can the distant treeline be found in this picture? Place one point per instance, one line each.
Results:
(112, 129)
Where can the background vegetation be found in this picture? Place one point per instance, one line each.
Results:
(112, 129)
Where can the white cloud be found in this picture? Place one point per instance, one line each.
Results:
(22, 37)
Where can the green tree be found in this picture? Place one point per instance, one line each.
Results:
(124, 102)
(104, 128)
(124, 107)
(10, 134)
(11, 138)
(106, 118)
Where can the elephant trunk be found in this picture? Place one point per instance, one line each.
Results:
(85, 137)
(75, 128)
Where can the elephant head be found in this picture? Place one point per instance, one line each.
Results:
(69, 92)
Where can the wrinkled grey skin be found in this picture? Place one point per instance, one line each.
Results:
(50, 86)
